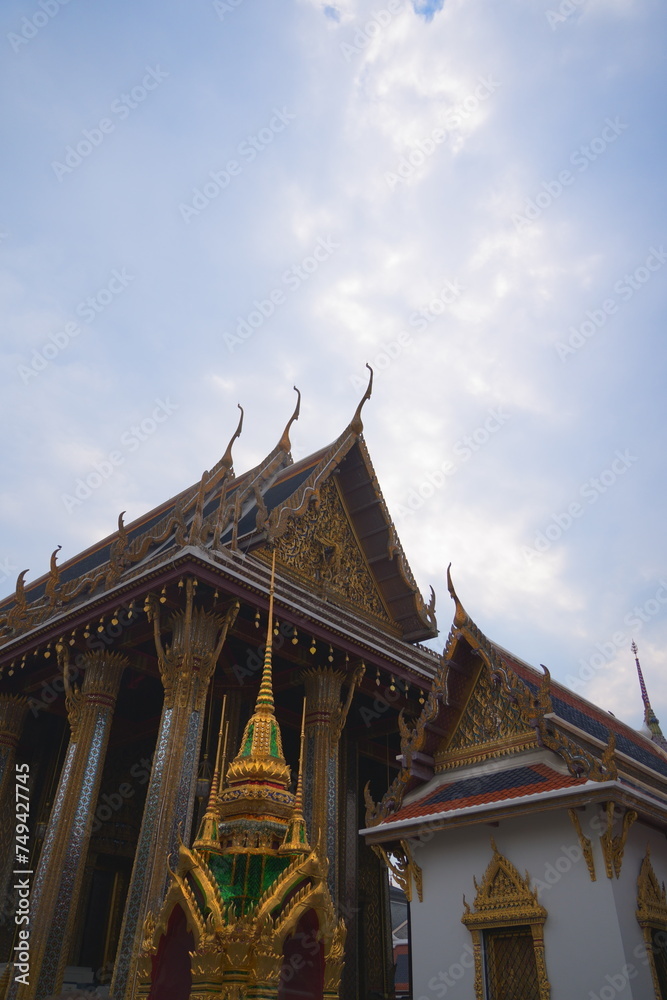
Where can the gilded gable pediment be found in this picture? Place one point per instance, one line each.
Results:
(488, 716)
(322, 548)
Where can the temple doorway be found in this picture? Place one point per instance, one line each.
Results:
(302, 973)
(172, 979)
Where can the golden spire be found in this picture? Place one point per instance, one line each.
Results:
(207, 837)
(265, 696)
(296, 837)
(260, 758)
(650, 718)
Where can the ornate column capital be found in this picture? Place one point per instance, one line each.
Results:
(323, 686)
(13, 710)
(100, 684)
(197, 637)
(103, 674)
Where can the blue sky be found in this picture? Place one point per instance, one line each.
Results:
(206, 204)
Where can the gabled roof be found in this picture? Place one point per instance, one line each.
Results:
(246, 512)
(512, 782)
(495, 714)
(559, 716)
(591, 721)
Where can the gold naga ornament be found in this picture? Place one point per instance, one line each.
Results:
(248, 913)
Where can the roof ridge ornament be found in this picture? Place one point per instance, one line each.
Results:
(460, 615)
(122, 531)
(226, 460)
(356, 425)
(650, 718)
(213, 480)
(284, 444)
(51, 587)
(20, 586)
(14, 618)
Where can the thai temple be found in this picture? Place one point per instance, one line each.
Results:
(231, 749)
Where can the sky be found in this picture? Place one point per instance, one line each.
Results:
(206, 204)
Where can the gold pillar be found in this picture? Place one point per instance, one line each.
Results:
(186, 667)
(323, 717)
(12, 716)
(377, 962)
(57, 884)
(350, 824)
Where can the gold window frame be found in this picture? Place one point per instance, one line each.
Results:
(651, 912)
(505, 899)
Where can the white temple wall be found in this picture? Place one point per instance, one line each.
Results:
(625, 897)
(591, 932)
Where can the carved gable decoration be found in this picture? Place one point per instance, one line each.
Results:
(503, 896)
(651, 897)
(488, 717)
(322, 547)
(652, 917)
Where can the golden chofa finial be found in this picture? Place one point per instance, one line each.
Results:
(20, 587)
(226, 460)
(460, 616)
(54, 576)
(284, 444)
(356, 425)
